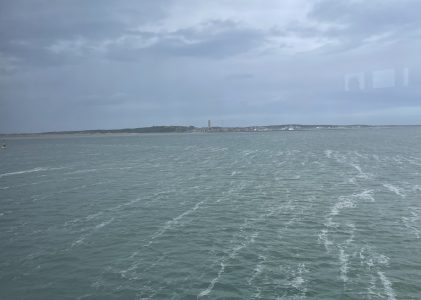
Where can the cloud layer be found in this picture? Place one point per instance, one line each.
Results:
(68, 65)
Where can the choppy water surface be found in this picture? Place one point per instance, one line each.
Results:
(277, 215)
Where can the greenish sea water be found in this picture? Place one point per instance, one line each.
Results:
(328, 214)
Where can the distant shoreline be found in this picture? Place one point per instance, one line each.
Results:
(193, 129)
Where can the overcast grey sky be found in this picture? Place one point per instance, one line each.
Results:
(77, 64)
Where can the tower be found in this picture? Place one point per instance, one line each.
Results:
(209, 125)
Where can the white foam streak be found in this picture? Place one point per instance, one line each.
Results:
(233, 254)
(346, 203)
(299, 282)
(351, 237)
(372, 259)
(103, 224)
(323, 238)
(394, 189)
(343, 259)
(93, 216)
(78, 241)
(257, 270)
(361, 174)
(212, 283)
(328, 153)
(411, 223)
(365, 195)
(91, 232)
(25, 171)
(82, 171)
(174, 222)
(101, 212)
(124, 204)
(373, 288)
(390, 293)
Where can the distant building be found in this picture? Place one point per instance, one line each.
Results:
(209, 125)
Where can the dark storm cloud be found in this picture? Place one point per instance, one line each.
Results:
(214, 39)
(28, 29)
(217, 39)
(63, 36)
(46, 20)
(369, 16)
(355, 22)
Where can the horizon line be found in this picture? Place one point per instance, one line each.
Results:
(201, 127)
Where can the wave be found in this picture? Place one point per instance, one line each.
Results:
(298, 280)
(78, 241)
(76, 188)
(345, 203)
(361, 173)
(323, 238)
(394, 189)
(350, 161)
(351, 234)
(343, 256)
(411, 223)
(128, 203)
(343, 260)
(390, 293)
(103, 224)
(172, 223)
(258, 269)
(374, 263)
(371, 259)
(416, 188)
(97, 227)
(209, 289)
(81, 171)
(365, 195)
(233, 253)
(101, 212)
(349, 202)
(41, 169)
(328, 153)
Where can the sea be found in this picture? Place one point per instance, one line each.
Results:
(318, 214)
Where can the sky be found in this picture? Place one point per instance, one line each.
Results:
(74, 65)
